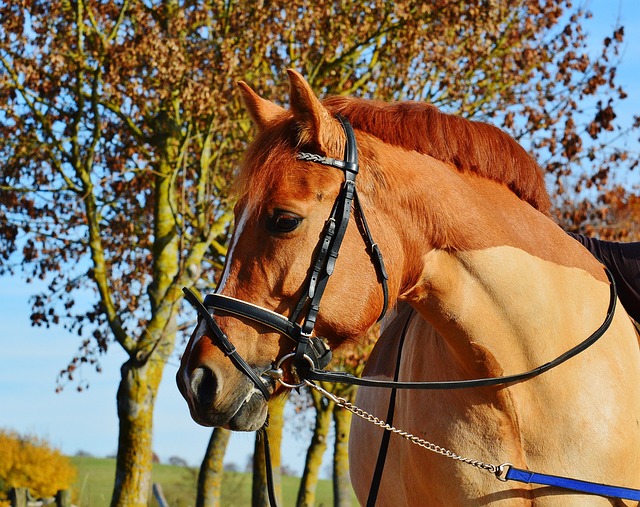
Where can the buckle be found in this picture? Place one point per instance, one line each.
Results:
(502, 471)
(293, 370)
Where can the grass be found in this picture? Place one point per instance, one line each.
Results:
(95, 483)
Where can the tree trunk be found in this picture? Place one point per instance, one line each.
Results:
(63, 498)
(18, 497)
(259, 496)
(341, 480)
(136, 400)
(212, 470)
(309, 481)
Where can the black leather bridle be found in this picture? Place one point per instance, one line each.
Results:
(310, 352)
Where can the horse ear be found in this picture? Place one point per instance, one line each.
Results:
(261, 111)
(317, 125)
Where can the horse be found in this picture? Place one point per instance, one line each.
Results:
(484, 284)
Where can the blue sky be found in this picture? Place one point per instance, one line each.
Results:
(31, 358)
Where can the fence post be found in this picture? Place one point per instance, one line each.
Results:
(63, 498)
(18, 497)
(157, 492)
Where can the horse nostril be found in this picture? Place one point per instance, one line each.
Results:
(203, 385)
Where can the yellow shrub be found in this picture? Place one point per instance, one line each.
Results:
(30, 462)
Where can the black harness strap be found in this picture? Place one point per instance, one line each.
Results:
(376, 255)
(386, 435)
(346, 378)
(343, 212)
(224, 344)
(335, 229)
(271, 488)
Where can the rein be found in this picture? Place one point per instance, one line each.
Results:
(311, 354)
(346, 378)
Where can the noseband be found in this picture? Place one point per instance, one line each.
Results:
(310, 352)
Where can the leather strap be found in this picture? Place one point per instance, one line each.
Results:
(376, 256)
(224, 344)
(346, 378)
(316, 349)
(334, 232)
(386, 435)
(253, 312)
(271, 489)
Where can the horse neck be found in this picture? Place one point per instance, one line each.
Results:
(485, 268)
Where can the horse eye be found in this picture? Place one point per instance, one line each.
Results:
(284, 222)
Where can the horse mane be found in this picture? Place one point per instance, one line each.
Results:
(470, 146)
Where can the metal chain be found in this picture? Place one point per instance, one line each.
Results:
(341, 402)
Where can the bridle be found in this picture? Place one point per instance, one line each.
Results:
(311, 353)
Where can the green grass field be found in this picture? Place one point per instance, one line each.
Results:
(95, 483)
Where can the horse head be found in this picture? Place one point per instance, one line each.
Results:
(284, 209)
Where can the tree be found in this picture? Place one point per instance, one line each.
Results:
(116, 162)
(614, 216)
(212, 470)
(316, 450)
(341, 479)
(120, 130)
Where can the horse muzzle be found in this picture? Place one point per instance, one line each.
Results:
(220, 400)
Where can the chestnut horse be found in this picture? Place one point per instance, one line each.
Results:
(460, 213)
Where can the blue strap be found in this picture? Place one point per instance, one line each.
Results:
(591, 488)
